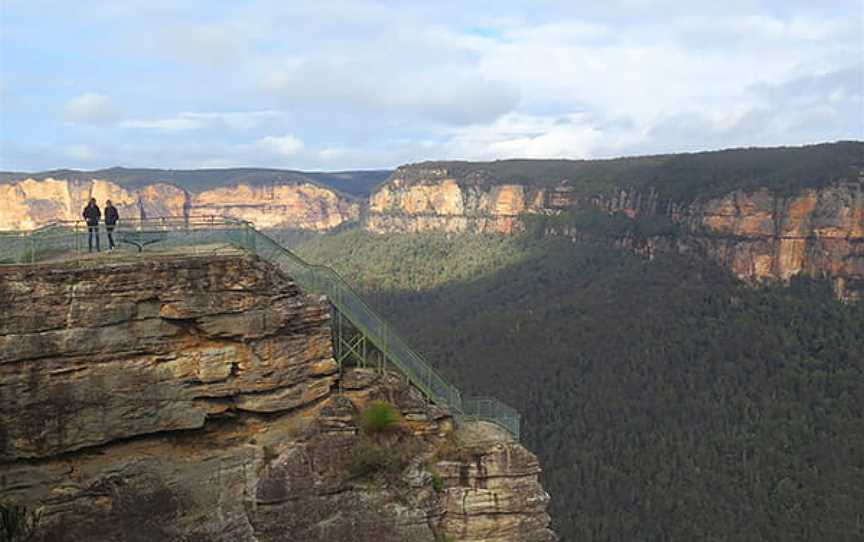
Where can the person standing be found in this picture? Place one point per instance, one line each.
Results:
(92, 214)
(111, 218)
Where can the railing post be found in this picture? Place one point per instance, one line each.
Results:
(348, 305)
(428, 382)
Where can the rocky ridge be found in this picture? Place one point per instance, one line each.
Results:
(194, 398)
(758, 235)
(30, 203)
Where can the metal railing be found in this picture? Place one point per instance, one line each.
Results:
(59, 239)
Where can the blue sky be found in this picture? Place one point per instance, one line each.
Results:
(354, 84)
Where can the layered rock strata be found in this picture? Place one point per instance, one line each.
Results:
(185, 398)
(443, 204)
(30, 203)
(757, 235)
(114, 348)
(491, 493)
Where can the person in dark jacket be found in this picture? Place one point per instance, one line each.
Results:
(111, 218)
(92, 214)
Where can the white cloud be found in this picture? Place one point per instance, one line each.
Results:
(242, 120)
(209, 45)
(188, 121)
(559, 32)
(286, 145)
(362, 84)
(640, 78)
(80, 153)
(173, 124)
(526, 136)
(90, 108)
(797, 28)
(449, 93)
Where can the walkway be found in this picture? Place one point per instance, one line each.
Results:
(360, 335)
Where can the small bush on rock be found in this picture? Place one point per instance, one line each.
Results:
(437, 481)
(379, 417)
(368, 459)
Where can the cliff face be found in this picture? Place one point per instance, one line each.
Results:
(31, 203)
(443, 204)
(816, 233)
(764, 236)
(194, 398)
(758, 235)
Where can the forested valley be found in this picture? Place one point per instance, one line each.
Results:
(665, 399)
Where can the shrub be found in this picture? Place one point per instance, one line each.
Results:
(368, 458)
(379, 417)
(437, 481)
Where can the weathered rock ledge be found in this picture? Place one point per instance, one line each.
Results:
(195, 399)
(758, 235)
(90, 354)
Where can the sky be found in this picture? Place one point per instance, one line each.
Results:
(336, 85)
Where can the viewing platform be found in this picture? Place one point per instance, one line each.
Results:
(360, 336)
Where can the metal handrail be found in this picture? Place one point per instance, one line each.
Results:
(37, 245)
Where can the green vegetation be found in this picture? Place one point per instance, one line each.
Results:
(599, 224)
(678, 177)
(437, 481)
(379, 417)
(369, 458)
(410, 262)
(355, 183)
(382, 448)
(270, 454)
(666, 400)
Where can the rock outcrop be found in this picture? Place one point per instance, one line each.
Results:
(440, 203)
(184, 398)
(110, 349)
(815, 233)
(31, 203)
(758, 235)
(491, 493)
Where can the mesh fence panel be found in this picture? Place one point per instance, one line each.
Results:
(194, 232)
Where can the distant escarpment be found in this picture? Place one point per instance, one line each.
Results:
(756, 222)
(297, 204)
(183, 398)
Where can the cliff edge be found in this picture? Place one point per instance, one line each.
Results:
(758, 234)
(196, 398)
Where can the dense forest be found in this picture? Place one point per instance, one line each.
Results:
(666, 400)
(677, 177)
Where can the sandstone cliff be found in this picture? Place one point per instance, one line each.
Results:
(184, 398)
(758, 235)
(30, 203)
(438, 202)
